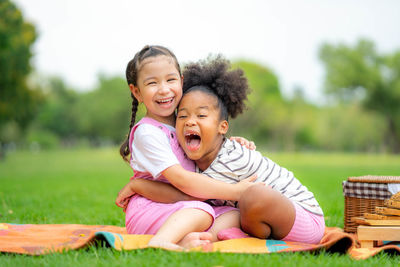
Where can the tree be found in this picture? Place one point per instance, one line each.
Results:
(56, 113)
(104, 113)
(17, 101)
(260, 121)
(263, 82)
(359, 73)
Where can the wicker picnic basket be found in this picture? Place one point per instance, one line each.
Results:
(362, 194)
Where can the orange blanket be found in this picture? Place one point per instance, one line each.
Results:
(35, 239)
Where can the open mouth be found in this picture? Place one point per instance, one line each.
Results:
(192, 141)
(165, 101)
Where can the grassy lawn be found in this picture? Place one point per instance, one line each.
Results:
(80, 186)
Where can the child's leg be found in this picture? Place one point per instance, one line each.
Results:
(307, 228)
(177, 227)
(265, 212)
(225, 221)
(227, 217)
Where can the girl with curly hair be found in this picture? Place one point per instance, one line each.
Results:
(281, 208)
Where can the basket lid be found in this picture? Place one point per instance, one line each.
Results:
(366, 190)
(375, 179)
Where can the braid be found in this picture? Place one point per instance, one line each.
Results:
(124, 150)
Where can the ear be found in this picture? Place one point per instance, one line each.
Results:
(181, 80)
(223, 127)
(136, 92)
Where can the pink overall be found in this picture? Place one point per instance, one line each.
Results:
(144, 216)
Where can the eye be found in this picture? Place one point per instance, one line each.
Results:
(202, 116)
(182, 116)
(171, 79)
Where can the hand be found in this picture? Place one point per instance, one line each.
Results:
(244, 142)
(124, 195)
(246, 183)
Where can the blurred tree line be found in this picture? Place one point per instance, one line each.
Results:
(361, 113)
(17, 101)
(296, 124)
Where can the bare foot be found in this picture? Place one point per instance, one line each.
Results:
(195, 239)
(155, 243)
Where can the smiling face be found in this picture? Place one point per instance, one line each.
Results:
(199, 129)
(159, 87)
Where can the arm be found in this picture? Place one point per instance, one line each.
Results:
(154, 190)
(153, 148)
(201, 186)
(166, 193)
(159, 191)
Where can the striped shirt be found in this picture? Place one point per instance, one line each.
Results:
(235, 163)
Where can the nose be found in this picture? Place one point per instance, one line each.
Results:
(163, 88)
(190, 122)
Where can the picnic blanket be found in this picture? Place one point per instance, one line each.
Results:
(36, 239)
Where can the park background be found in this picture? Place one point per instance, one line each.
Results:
(325, 101)
(324, 76)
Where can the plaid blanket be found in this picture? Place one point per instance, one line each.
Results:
(366, 190)
(36, 239)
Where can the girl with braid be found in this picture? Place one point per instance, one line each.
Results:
(279, 208)
(176, 214)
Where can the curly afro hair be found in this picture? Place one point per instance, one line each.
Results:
(215, 76)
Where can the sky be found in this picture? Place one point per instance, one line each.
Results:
(78, 39)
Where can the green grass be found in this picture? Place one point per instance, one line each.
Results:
(80, 186)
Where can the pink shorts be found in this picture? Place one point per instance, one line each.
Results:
(144, 216)
(307, 227)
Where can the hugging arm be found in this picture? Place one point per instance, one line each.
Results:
(185, 186)
(166, 193)
(153, 190)
(201, 186)
(160, 191)
(244, 142)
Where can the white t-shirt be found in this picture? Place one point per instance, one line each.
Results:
(151, 150)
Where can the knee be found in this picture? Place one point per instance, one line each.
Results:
(206, 210)
(256, 199)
